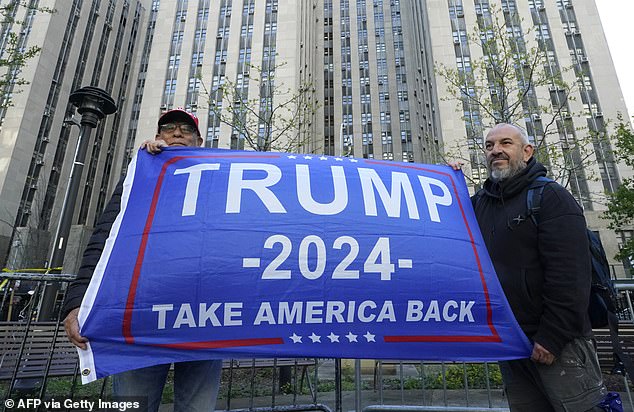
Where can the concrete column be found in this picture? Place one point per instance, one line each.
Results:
(77, 241)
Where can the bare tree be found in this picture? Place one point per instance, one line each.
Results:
(15, 18)
(272, 120)
(502, 86)
(14, 53)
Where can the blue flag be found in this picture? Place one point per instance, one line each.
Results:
(229, 254)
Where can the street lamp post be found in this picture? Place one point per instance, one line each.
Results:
(341, 139)
(93, 104)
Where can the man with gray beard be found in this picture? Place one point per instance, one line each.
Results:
(545, 271)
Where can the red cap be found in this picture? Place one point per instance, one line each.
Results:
(179, 115)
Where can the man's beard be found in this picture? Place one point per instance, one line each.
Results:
(514, 167)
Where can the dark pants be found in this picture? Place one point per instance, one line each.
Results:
(573, 383)
(196, 385)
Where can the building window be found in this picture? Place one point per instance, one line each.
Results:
(628, 262)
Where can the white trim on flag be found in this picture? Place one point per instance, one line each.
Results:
(86, 360)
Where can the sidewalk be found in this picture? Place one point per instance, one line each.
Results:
(477, 399)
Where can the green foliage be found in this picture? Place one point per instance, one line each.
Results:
(245, 381)
(431, 377)
(624, 142)
(499, 84)
(620, 210)
(287, 389)
(475, 374)
(63, 387)
(412, 383)
(500, 87)
(326, 386)
(14, 54)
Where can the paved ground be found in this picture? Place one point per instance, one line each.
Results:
(476, 399)
(436, 398)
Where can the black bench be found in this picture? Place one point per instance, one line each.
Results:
(604, 344)
(34, 352)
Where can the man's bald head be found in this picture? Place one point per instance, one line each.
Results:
(507, 150)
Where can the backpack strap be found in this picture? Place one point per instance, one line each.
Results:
(534, 197)
(622, 361)
(601, 267)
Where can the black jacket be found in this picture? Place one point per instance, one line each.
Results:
(545, 271)
(77, 289)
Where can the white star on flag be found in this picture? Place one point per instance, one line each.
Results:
(338, 159)
(333, 338)
(323, 158)
(369, 337)
(308, 157)
(351, 337)
(354, 160)
(292, 157)
(296, 339)
(315, 338)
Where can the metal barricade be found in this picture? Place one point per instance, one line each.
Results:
(381, 408)
(33, 352)
(38, 361)
(626, 310)
(345, 385)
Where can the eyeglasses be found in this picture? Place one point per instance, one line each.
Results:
(185, 128)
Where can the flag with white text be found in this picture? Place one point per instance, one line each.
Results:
(229, 254)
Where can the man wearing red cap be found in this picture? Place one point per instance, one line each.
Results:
(196, 383)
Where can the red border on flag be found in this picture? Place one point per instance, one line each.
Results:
(127, 318)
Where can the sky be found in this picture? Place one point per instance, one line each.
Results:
(616, 18)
